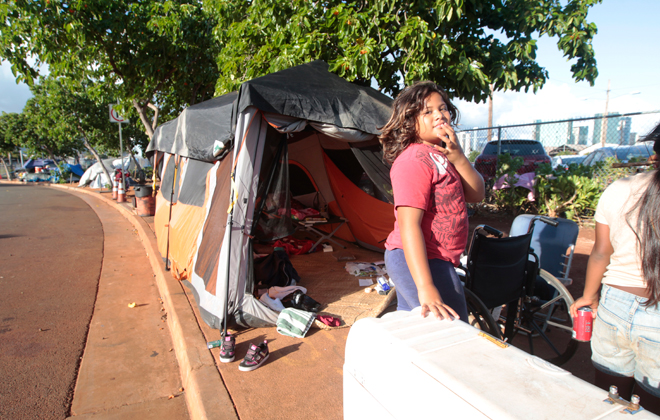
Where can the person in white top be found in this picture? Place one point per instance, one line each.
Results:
(625, 260)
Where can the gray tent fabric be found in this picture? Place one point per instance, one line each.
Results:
(163, 138)
(309, 105)
(307, 92)
(194, 133)
(311, 92)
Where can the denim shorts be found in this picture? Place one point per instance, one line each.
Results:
(626, 338)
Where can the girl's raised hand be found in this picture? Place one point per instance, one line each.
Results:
(452, 149)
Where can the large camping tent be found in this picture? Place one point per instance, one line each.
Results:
(238, 161)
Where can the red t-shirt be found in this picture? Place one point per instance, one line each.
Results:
(423, 178)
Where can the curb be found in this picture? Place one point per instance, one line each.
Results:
(205, 391)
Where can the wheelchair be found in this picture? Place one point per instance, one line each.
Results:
(510, 297)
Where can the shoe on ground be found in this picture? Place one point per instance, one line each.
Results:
(255, 357)
(227, 349)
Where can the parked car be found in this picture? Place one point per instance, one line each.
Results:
(531, 151)
(622, 153)
(565, 160)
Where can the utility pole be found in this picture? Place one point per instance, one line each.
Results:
(603, 126)
(490, 113)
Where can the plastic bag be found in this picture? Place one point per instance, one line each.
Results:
(365, 268)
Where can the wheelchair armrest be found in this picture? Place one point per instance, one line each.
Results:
(462, 273)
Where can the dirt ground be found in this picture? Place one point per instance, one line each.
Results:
(580, 364)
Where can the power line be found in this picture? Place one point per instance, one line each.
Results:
(600, 89)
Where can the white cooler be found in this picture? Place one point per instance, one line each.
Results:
(405, 367)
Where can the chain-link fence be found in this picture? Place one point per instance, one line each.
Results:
(511, 158)
(614, 137)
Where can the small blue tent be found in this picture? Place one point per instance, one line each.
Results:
(39, 163)
(76, 169)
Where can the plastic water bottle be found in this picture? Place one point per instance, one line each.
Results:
(384, 284)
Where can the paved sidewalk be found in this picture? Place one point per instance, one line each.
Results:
(148, 361)
(302, 379)
(128, 367)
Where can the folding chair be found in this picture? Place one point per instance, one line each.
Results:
(309, 225)
(554, 245)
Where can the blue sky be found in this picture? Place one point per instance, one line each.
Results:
(627, 53)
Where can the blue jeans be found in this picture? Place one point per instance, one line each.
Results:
(445, 280)
(626, 338)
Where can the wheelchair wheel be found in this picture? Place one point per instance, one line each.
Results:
(548, 324)
(480, 317)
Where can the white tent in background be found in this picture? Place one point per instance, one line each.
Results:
(94, 176)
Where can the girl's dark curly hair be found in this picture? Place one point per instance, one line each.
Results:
(401, 130)
(647, 228)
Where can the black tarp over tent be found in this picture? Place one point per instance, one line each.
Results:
(294, 115)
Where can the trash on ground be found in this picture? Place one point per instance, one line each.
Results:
(366, 268)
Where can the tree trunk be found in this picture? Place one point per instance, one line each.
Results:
(98, 158)
(149, 127)
(51, 155)
(6, 169)
(93, 151)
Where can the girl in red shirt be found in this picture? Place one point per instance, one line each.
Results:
(431, 181)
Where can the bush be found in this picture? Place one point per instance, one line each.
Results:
(572, 193)
(508, 198)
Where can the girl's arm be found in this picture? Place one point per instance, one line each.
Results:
(414, 248)
(473, 182)
(596, 267)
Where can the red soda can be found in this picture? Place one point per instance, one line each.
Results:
(583, 324)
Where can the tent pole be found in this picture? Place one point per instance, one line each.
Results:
(230, 223)
(169, 219)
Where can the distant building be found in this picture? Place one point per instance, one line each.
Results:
(615, 130)
(474, 140)
(580, 135)
(554, 134)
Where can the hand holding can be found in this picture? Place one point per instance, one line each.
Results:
(583, 324)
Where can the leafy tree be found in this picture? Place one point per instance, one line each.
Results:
(71, 119)
(464, 45)
(7, 140)
(23, 131)
(155, 56)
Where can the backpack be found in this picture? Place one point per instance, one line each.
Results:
(275, 270)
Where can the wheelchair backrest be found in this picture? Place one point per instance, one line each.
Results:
(549, 243)
(498, 267)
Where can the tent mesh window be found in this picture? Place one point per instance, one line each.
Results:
(365, 168)
(273, 195)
